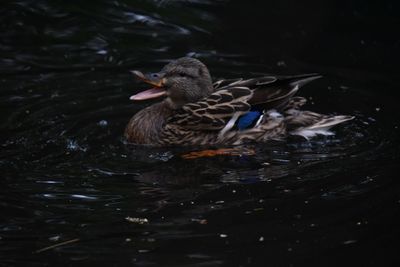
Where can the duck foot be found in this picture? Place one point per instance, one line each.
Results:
(219, 152)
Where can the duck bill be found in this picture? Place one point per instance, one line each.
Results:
(155, 92)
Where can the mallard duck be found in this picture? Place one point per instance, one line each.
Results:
(195, 111)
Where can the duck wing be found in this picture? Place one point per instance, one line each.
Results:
(213, 112)
(270, 92)
(234, 98)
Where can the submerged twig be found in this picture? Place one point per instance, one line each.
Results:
(57, 245)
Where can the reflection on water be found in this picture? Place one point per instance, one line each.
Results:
(68, 174)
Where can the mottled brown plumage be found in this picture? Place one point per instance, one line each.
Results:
(197, 112)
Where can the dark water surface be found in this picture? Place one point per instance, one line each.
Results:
(67, 174)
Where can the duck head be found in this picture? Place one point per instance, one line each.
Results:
(182, 81)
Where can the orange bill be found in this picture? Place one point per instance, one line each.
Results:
(157, 91)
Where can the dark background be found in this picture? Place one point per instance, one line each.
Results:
(68, 174)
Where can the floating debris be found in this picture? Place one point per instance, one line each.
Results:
(137, 220)
(200, 221)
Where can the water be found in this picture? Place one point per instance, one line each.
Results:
(67, 175)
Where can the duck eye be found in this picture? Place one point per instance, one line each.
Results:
(182, 74)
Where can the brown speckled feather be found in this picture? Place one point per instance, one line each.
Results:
(213, 112)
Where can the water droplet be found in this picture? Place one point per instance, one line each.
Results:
(102, 123)
(73, 145)
(281, 63)
(102, 52)
(54, 238)
(347, 242)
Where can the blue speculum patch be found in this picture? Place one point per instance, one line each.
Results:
(248, 119)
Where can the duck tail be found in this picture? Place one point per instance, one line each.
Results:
(299, 80)
(321, 127)
(277, 94)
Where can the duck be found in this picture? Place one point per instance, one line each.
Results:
(194, 110)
